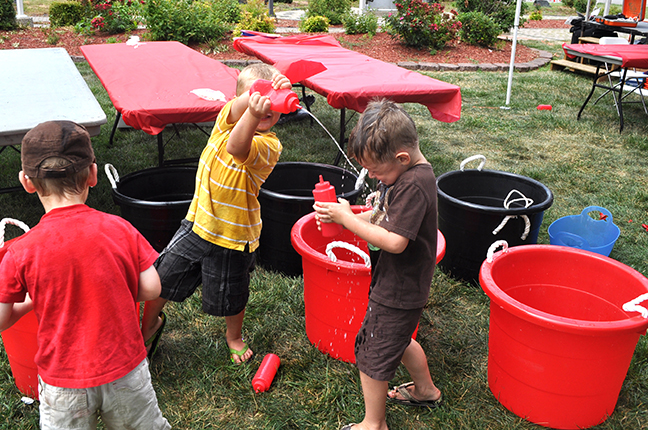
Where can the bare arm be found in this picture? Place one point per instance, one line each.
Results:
(149, 285)
(359, 224)
(240, 140)
(247, 112)
(10, 313)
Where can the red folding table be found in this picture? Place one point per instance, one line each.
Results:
(625, 56)
(351, 79)
(151, 83)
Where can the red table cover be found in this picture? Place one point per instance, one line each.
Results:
(150, 83)
(352, 79)
(630, 55)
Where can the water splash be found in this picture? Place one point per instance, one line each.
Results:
(336, 142)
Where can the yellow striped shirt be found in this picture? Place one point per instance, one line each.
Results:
(225, 209)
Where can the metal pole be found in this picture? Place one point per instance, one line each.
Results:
(518, 8)
(20, 12)
(271, 8)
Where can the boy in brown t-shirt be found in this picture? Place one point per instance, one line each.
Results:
(403, 224)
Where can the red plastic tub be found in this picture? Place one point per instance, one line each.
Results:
(20, 344)
(335, 293)
(560, 343)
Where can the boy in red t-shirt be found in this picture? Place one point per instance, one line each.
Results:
(82, 271)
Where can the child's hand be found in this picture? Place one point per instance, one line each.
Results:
(279, 81)
(258, 105)
(332, 212)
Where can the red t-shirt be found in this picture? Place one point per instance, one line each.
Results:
(81, 267)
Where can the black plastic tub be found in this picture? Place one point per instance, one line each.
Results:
(285, 197)
(471, 208)
(156, 200)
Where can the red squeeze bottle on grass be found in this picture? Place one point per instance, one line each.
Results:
(283, 100)
(325, 192)
(266, 373)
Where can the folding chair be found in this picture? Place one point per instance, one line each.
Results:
(623, 75)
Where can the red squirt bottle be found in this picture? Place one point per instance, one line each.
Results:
(325, 192)
(266, 373)
(282, 100)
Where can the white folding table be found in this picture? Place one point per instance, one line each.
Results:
(38, 85)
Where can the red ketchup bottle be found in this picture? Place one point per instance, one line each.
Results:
(266, 373)
(283, 100)
(325, 192)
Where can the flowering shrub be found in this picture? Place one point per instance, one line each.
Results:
(422, 25)
(115, 16)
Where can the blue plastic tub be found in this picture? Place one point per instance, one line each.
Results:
(584, 232)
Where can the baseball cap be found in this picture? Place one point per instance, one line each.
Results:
(63, 139)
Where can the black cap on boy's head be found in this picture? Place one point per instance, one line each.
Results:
(62, 139)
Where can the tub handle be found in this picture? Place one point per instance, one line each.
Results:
(474, 157)
(112, 174)
(11, 221)
(348, 246)
(507, 203)
(633, 305)
(493, 247)
(607, 213)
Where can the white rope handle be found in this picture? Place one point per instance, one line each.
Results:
(369, 199)
(112, 174)
(11, 221)
(507, 203)
(348, 246)
(493, 247)
(633, 305)
(474, 157)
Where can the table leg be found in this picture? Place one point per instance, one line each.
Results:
(114, 128)
(338, 157)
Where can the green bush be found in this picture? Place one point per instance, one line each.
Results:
(314, 24)
(581, 6)
(422, 25)
(363, 23)
(185, 20)
(501, 11)
(254, 16)
(62, 14)
(536, 15)
(477, 28)
(334, 10)
(568, 3)
(7, 15)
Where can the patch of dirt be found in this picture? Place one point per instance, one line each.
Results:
(380, 46)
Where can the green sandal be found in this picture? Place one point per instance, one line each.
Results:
(240, 353)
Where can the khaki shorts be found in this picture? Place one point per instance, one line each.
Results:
(127, 403)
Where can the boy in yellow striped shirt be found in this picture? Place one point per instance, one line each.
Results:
(215, 243)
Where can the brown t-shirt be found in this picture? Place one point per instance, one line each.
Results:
(409, 209)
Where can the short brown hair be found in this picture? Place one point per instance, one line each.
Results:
(382, 130)
(75, 183)
(251, 73)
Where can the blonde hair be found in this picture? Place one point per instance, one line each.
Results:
(73, 184)
(251, 73)
(383, 129)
